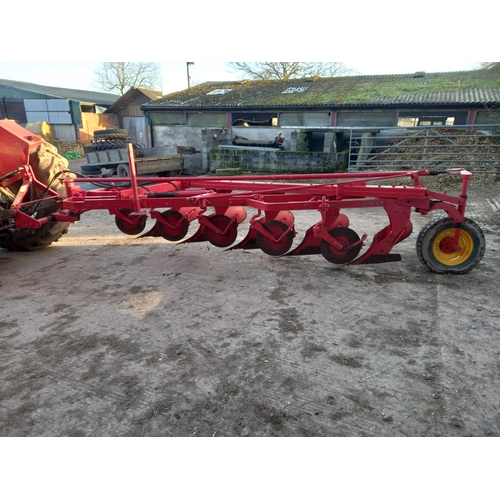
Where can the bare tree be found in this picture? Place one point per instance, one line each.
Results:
(119, 77)
(287, 70)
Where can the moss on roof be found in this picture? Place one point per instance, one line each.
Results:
(465, 87)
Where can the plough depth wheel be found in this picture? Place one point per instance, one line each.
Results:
(278, 245)
(228, 230)
(136, 226)
(176, 226)
(346, 237)
(435, 242)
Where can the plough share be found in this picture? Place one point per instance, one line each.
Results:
(451, 244)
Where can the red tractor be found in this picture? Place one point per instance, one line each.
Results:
(31, 187)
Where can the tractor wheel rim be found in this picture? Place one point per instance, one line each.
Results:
(454, 258)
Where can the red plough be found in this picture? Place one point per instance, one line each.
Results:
(452, 244)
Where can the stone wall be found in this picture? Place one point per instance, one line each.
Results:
(212, 156)
(262, 160)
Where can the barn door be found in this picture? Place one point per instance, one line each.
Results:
(137, 130)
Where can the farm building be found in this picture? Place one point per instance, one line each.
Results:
(70, 113)
(262, 109)
(130, 116)
(319, 115)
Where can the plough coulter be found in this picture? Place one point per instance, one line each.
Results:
(452, 244)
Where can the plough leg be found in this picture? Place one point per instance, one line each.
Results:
(249, 242)
(399, 228)
(220, 228)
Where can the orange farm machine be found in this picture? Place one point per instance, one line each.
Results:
(40, 198)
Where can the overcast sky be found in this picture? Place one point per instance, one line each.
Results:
(81, 75)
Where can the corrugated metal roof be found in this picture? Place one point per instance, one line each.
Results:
(463, 87)
(99, 98)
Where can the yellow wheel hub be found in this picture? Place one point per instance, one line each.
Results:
(453, 258)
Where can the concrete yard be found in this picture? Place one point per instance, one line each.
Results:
(104, 334)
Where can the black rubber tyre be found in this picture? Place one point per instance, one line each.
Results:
(105, 146)
(92, 170)
(169, 173)
(432, 255)
(123, 170)
(46, 162)
(110, 134)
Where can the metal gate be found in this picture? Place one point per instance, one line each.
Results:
(476, 148)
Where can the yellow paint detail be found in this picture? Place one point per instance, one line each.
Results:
(465, 242)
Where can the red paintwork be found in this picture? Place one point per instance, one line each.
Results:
(274, 197)
(16, 145)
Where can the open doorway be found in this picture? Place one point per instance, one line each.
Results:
(315, 140)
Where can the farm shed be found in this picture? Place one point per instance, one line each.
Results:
(313, 113)
(65, 110)
(130, 115)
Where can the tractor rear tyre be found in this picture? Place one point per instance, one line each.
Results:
(434, 246)
(110, 134)
(46, 164)
(106, 146)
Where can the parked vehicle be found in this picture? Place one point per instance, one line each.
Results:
(108, 156)
(159, 161)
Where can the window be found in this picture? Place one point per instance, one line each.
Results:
(431, 118)
(206, 119)
(426, 121)
(251, 119)
(162, 118)
(305, 118)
